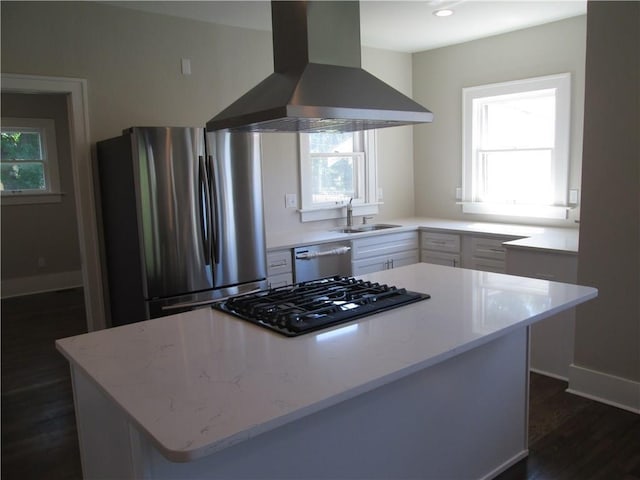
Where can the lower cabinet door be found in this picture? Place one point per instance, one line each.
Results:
(552, 339)
(404, 258)
(385, 262)
(369, 265)
(441, 258)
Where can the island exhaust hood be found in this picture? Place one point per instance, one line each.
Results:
(318, 83)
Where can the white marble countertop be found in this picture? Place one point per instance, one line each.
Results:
(564, 240)
(201, 381)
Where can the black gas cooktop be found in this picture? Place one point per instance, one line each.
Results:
(305, 307)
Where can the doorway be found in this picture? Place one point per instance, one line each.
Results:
(82, 171)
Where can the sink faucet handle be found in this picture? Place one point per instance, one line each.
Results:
(365, 218)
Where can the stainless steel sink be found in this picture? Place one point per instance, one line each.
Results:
(375, 226)
(365, 228)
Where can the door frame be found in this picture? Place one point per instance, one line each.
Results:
(77, 106)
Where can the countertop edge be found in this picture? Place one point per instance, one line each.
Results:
(187, 455)
(539, 238)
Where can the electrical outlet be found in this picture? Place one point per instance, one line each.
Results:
(573, 197)
(42, 262)
(380, 195)
(290, 200)
(458, 193)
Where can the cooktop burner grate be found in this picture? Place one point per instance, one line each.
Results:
(305, 307)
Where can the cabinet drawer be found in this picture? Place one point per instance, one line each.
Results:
(383, 245)
(486, 265)
(441, 258)
(442, 242)
(280, 280)
(488, 248)
(278, 262)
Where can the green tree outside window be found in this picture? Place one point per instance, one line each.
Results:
(22, 164)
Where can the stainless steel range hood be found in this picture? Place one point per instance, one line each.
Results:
(318, 83)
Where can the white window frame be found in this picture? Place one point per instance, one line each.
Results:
(561, 84)
(365, 204)
(52, 194)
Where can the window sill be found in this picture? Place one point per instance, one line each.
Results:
(339, 211)
(530, 211)
(30, 198)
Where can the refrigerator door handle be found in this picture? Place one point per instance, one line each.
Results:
(205, 200)
(217, 254)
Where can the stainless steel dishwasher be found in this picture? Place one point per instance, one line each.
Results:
(325, 260)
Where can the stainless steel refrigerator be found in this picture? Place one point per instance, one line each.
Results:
(182, 218)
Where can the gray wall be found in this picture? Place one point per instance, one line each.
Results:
(48, 231)
(131, 61)
(439, 76)
(608, 328)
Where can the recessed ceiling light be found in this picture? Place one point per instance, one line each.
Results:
(443, 12)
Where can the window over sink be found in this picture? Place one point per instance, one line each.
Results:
(516, 147)
(334, 168)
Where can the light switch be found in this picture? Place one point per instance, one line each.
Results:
(290, 200)
(458, 193)
(185, 65)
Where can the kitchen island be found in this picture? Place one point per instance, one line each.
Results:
(435, 389)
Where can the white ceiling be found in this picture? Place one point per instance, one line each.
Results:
(406, 26)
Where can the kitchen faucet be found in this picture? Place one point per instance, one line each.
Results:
(350, 213)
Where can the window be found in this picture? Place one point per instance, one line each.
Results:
(334, 168)
(516, 147)
(28, 161)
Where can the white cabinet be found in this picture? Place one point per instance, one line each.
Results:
(552, 339)
(477, 252)
(279, 268)
(382, 252)
(484, 253)
(440, 248)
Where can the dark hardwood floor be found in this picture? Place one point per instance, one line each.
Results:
(39, 439)
(569, 437)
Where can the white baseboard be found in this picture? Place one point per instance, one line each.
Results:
(506, 465)
(549, 374)
(602, 387)
(16, 287)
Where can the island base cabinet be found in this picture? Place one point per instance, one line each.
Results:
(465, 417)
